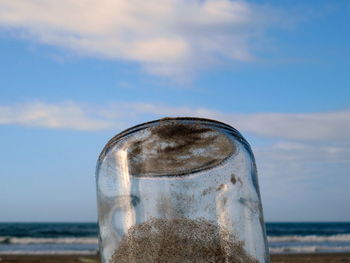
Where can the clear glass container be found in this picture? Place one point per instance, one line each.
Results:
(179, 190)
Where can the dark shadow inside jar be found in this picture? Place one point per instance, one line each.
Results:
(174, 148)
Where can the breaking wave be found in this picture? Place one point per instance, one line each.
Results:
(308, 249)
(310, 238)
(31, 240)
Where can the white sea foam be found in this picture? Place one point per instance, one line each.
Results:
(48, 252)
(310, 238)
(89, 240)
(315, 246)
(308, 249)
(31, 240)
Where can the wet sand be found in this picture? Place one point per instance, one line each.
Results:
(298, 258)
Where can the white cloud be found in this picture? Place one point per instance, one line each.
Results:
(62, 115)
(302, 126)
(311, 126)
(168, 37)
(332, 126)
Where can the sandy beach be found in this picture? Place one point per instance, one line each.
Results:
(295, 258)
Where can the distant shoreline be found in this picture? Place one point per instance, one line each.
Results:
(285, 258)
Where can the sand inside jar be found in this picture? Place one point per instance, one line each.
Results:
(179, 240)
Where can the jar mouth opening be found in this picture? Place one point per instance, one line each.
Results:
(175, 146)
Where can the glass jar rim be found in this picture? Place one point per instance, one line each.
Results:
(214, 123)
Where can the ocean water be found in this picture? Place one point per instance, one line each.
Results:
(81, 238)
(308, 237)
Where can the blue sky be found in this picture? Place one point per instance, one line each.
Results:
(74, 75)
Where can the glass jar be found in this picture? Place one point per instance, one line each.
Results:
(179, 190)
